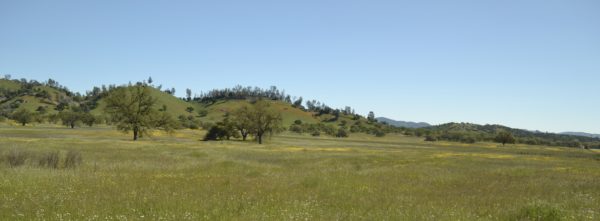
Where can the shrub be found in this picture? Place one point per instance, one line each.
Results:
(379, 133)
(73, 159)
(16, 157)
(215, 133)
(202, 113)
(342, 133)
(297, 122)
(468, 140)
(316, 133)
(296, 128)
(49, 160)
(430, 138)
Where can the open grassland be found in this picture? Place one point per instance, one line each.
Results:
(293, 177)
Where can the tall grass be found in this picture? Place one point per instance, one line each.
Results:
(16, 157)
(49, 160)
(73, 159)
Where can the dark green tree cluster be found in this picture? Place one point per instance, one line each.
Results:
(258, 119)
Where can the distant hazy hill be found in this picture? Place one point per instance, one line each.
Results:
(406, 124)
(582, 134)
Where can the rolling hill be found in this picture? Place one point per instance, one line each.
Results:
(406, 124)
(582, 134)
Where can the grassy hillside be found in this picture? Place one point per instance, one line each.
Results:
(175, 106)
(32, 99)
(9, 85)
(292, 178)
(289, 113)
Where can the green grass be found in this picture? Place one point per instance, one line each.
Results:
(175, 106)
(292, 177)
(10, 85)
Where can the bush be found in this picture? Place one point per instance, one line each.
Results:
(296, 128)
(16, 157)
(430, 138)
(316, 133)
(342, 133)
(379, 133)
(49, 160)
(469, 140)
(202, 113)
(215, 133)
(73, 159)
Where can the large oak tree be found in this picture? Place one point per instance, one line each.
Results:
(132, 109)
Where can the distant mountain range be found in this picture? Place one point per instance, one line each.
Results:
(406, 124)
(582, 134)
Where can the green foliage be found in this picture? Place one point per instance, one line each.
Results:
(379, 133)
(132, 109)
(89, 119)
(342, 132)
(70, 118)
(505, 137)
(263, 119)
(202, 113)
(430, 138)
(23, 116)
(189, 109)
(189, 122)
(216, 132)
(241, 120)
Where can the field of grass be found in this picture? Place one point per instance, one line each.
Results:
(292, 177)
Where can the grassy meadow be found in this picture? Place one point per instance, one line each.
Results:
(292, 177)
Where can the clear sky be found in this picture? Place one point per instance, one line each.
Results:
(532, 64)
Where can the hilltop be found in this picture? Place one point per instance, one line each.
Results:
(407, 124)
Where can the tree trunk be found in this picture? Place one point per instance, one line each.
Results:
(135, 134)
(244, 135)
(72, 125)
(23, 124)
(259, 137)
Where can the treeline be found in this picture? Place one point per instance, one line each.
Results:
(241, 93)
(471, 133)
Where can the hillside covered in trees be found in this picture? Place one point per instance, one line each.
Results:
(30, 101)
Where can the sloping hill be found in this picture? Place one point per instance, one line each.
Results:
(9, 85)
(582, 134)
(406, 124)
(14, 95)
(216, 111)
(467, 131)
(175, 106)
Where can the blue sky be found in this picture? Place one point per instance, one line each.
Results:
(525, 64)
